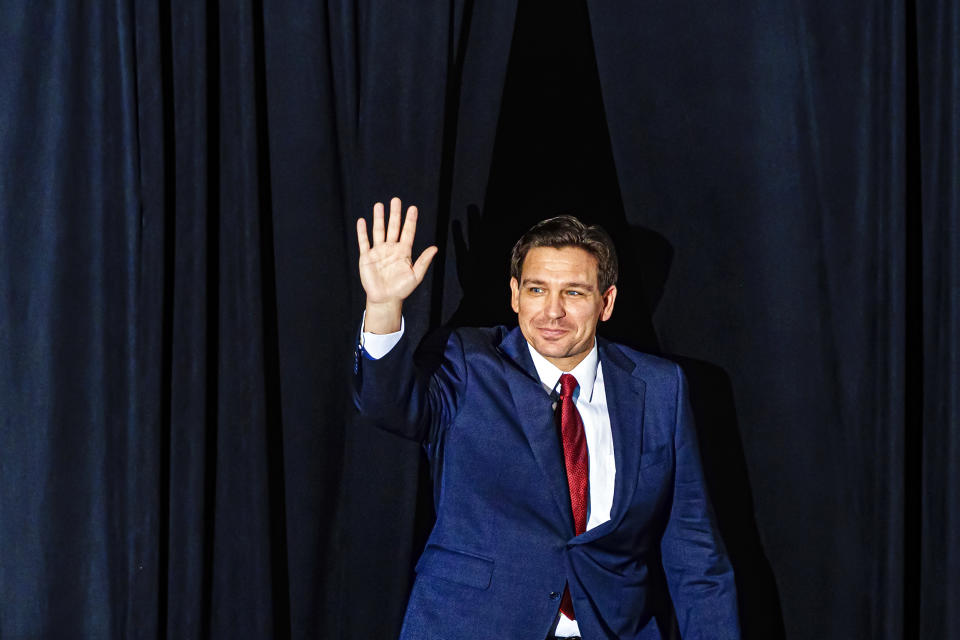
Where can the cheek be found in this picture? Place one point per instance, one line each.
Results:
(585, 322)
(527, 308)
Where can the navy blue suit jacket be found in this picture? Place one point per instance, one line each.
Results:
(503, 548)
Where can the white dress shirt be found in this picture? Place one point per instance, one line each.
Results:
(591, 401)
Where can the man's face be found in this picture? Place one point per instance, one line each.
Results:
(558, 303)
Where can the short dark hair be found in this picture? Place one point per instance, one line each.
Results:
(568, 231)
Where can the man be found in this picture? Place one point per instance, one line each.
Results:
(565, 467)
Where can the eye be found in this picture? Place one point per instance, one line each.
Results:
(536, 290)
(574, 293)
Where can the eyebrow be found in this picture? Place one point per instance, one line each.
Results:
(575, 285)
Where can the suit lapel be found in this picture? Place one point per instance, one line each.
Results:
(535, 414)
(625, 398)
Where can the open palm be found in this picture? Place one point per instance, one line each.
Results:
(387, 273)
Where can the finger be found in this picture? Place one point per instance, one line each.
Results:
(393, 227)
(423, 263)
(378, 224)
(409, 227)
(362, 240)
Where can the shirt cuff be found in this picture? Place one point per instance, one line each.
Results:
(377, 345)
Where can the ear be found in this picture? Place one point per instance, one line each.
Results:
(609, 297)
(515, 295)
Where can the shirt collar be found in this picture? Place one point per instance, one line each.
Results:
(585, 372)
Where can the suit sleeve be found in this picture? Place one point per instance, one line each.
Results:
(698, 571)
(410, 401)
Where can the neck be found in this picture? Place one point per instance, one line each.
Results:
(568, 363)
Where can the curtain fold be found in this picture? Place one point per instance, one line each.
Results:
(76, 515)
(937, 213)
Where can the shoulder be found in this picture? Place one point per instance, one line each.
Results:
(460, 343)
(466, 338)
(653, 370)
(480, 339)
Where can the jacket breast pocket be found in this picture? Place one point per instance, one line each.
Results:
(462, 567)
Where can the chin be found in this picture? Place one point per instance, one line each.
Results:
(552, 350)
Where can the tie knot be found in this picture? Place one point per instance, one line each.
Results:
(568, 384)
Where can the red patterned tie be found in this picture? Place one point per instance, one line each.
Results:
(577, 464)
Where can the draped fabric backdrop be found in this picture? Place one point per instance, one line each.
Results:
(178, 291)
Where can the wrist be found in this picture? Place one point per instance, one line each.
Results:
(383, 317)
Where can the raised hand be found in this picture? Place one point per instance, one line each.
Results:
(387, 272)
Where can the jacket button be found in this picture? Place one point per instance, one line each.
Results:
(554, 595)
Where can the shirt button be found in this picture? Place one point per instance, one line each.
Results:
(554, 595)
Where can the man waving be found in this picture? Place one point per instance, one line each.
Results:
(568, 480)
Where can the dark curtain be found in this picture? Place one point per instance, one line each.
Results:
(179, 299)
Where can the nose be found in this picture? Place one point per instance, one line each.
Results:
(555, 306)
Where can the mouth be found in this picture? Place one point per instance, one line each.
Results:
(552, 333)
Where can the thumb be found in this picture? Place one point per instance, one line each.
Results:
(423, 263)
